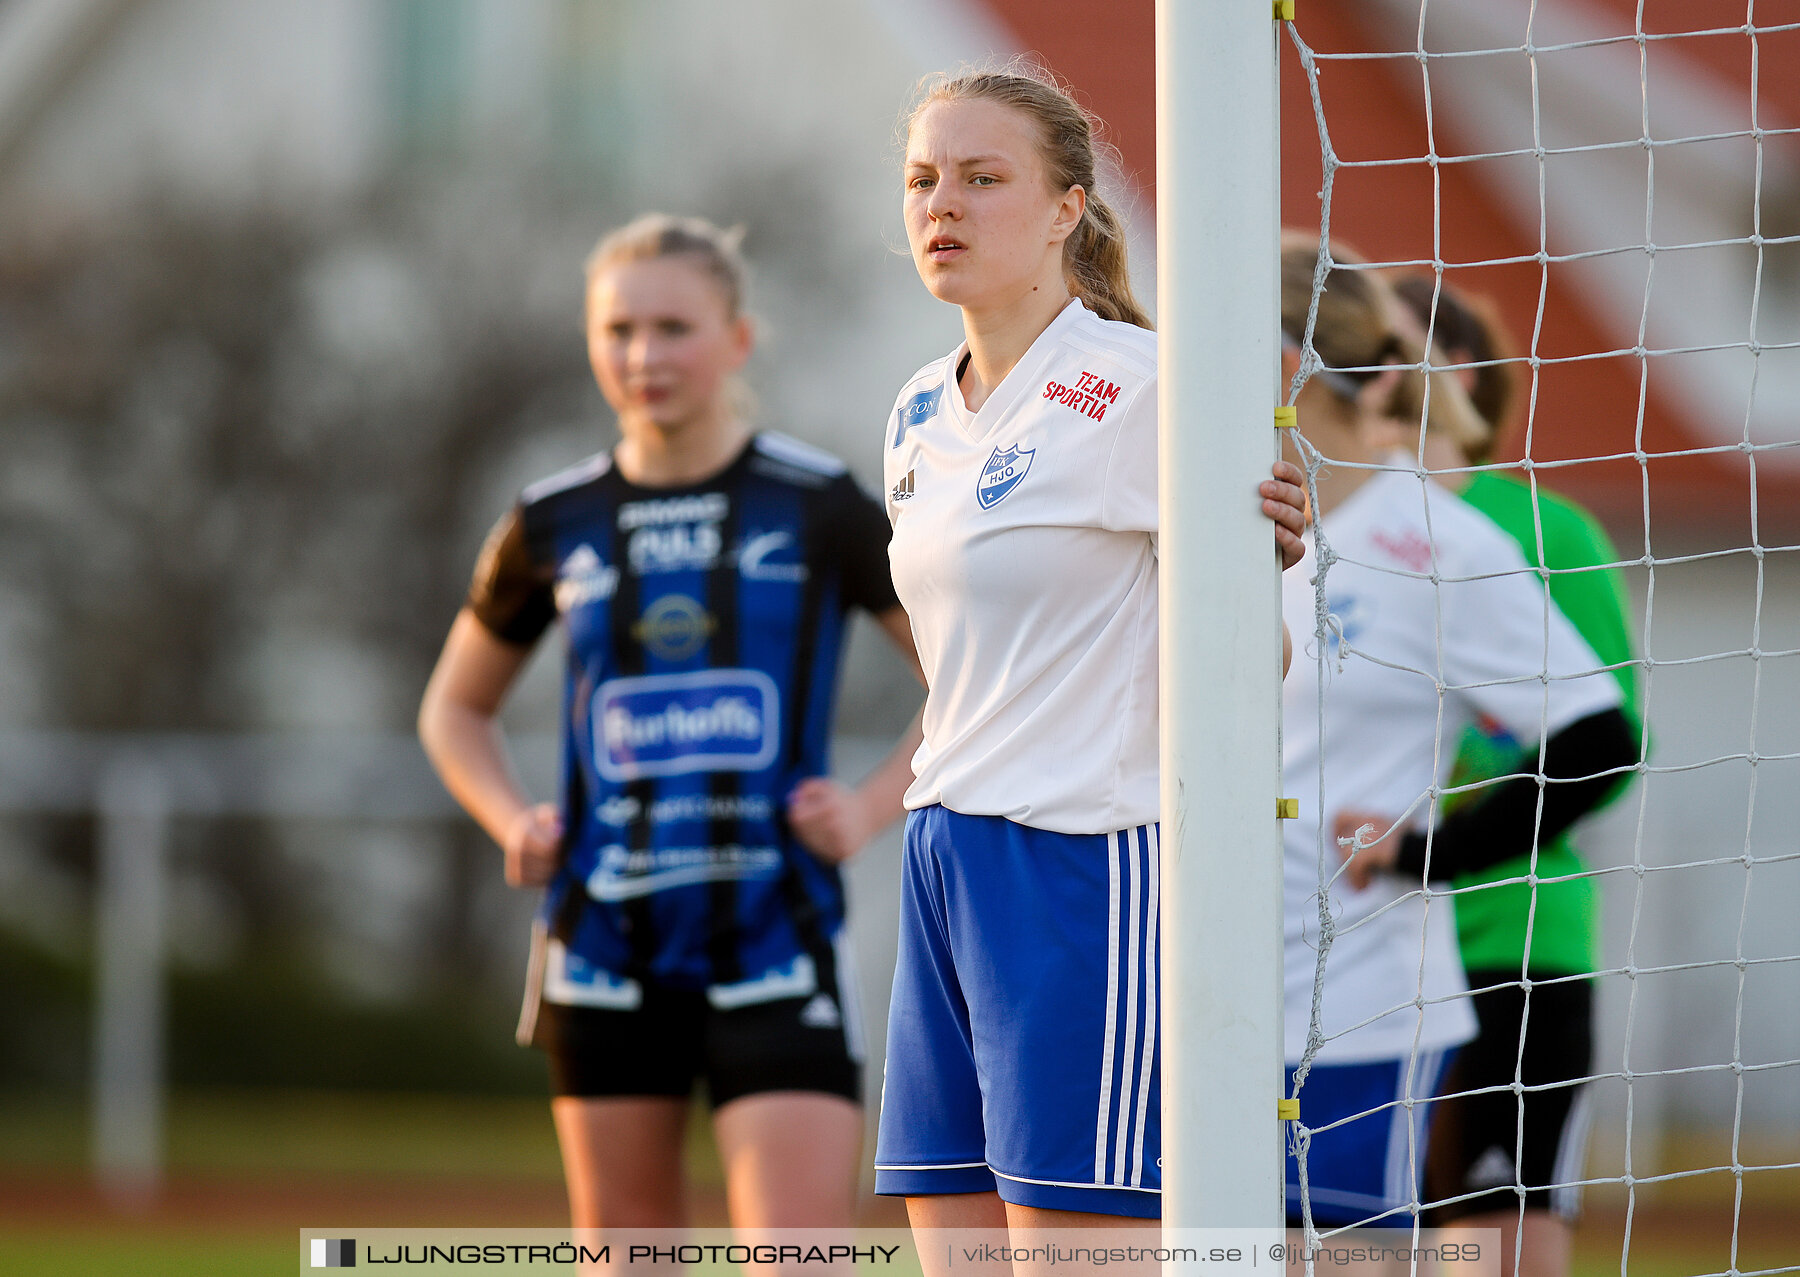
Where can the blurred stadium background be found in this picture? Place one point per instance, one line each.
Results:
(289, 309)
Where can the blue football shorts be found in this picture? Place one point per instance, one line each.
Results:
(1366, 1166)
(1022, 1036)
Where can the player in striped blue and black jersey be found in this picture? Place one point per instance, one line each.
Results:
(692, 922)
(704, 626)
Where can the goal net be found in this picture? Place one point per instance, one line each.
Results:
(1617, 182)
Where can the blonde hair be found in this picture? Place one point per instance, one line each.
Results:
(1354, 336)
(717, 252)
(1094, 255)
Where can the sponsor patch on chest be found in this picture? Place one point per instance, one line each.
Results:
(1091, 395)
(671, 724)
(916, 411)
(1406, 546)
(674, 627)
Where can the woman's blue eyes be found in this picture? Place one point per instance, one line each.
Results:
(924, 183)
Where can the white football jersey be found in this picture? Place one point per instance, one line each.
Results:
(1488, 636)
(1024, 551)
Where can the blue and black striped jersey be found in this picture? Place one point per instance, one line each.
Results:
(704, 626)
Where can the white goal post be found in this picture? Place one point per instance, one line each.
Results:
(1218, 215)
(1619, 183)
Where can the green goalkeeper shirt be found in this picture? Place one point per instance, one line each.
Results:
(1491, 923)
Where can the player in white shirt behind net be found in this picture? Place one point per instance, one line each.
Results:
(1420, 617)
(1022, 1071)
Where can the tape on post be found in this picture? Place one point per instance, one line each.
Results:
(1284, 10)
(1287, 809)
(1287, 1110)
(1287, 417)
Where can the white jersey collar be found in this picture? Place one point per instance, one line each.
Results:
(975, 425)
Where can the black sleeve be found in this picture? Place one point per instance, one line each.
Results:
(859, 531)
(1581, 765)
(512, 592)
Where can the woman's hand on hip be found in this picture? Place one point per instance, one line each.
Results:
(533, 845)
(829, 819)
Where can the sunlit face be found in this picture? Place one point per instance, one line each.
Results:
(984, 225)
(662, 342)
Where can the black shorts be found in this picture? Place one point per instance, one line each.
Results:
(1475, 1151)
(676, 1036)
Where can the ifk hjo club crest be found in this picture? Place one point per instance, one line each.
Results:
(1002, 473)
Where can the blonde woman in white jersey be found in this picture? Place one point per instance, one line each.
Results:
(1435, 620)
(1022, 1084)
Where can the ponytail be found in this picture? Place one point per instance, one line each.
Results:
(718, 253)
(1094, 258)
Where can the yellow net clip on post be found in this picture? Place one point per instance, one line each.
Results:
(1287, 417)
(1284, 10)
(1287, 809)
(1287, 1110)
